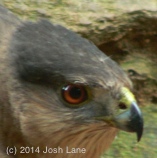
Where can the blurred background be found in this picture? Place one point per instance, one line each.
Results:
(127, 32)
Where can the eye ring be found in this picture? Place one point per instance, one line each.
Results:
(74, 94)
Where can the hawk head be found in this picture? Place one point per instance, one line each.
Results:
(64, 92)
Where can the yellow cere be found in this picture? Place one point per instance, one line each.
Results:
(126, 96)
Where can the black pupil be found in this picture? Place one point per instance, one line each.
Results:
(75, 92)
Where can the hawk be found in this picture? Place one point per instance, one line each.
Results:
(60, 96)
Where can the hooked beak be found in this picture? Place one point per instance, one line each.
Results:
(131, 120)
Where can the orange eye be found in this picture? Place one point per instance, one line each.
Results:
(74, 94)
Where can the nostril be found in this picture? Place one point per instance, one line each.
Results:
(122, 106)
